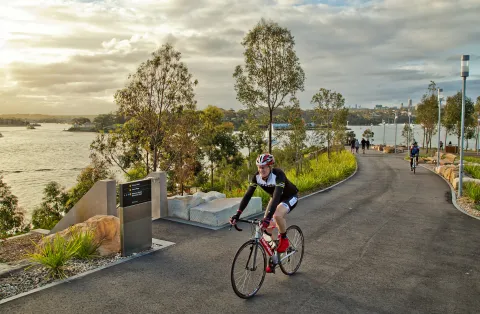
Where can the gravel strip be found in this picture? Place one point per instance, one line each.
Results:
(36, 276)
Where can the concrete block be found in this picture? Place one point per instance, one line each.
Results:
(218, 212)
(101, 199)
(40, 231)
(178, 206)
(159, 194)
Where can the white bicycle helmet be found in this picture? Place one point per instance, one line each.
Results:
(265, 160)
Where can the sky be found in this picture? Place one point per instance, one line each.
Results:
(69, 57)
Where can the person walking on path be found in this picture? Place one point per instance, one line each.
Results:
(352, 146)
(363, 144)
(357, 145)
(368, 144)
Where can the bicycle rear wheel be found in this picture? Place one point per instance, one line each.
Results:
(248, 269)
(289, 265)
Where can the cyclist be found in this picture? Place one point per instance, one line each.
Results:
(414, 152)
(283, 200)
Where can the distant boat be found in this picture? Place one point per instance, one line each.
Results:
(30, 127)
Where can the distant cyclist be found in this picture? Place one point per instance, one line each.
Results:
(284, 199)
(414, 152)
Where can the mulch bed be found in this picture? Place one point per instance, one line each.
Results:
(14, 250)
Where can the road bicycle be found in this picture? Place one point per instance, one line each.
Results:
(250, 261)
(414, 164)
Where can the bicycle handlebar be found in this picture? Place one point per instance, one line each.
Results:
(252, 221)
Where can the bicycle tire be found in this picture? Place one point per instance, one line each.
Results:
(260, 267)
(294, 246)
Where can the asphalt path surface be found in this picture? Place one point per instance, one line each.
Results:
(385, 241)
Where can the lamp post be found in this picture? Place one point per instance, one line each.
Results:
(439, 107)
(395, 132)
(478, 124)
(384, 144)
(409, 127)
(464, 74)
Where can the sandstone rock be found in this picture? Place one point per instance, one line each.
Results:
(105, 228)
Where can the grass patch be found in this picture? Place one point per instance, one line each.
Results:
(474, 171)
(87, 245)
(472, 159)
(472, 190)
(55, 253)
(323, 173)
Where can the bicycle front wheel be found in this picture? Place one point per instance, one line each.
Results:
(248, 269)
(291, 259)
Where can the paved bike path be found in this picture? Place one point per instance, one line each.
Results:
(386, 241)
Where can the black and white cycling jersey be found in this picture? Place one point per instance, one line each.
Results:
(276, 184)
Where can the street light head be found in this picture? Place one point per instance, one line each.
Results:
(464, 67)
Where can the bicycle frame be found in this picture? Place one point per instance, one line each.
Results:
(257, 236)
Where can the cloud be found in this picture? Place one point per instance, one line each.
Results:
(70, 56)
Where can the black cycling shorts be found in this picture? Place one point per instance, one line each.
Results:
(290, 202)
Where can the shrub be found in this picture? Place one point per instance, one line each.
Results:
(472, 190)
(87, 245)
(11, 216)
(55, 254)
(474, 171)
(52, 208)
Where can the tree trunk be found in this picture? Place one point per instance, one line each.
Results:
(155, 158)
(423, 139)
(211, 174)
(270, 132)
(148, 166)
(181, 176)
(328, 142)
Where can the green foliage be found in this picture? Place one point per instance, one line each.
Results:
(217, 141)
(87, 246)
(271, 72)
(324, 173)
(330, 115)
(406, 132)
(472, 190)
(52, 208)
(11, 216)
(97, 171)
(103, 121)
(80, 120)
(474, 171)
(452, 114)
(472, 159)
(160, 87)
(55, 254)
(368, 133)
(138, 172)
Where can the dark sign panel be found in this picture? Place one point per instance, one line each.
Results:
(136, 192)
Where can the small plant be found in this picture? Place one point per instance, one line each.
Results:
(87, 245)
(474, 171)
(54, 254)
(472, 190)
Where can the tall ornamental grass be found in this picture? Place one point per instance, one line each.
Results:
(323, 173)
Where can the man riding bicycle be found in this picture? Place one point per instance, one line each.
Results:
(414, 152)
(283, 200)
